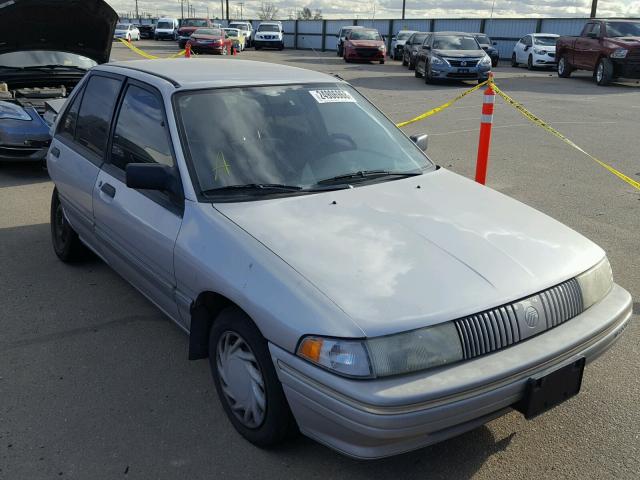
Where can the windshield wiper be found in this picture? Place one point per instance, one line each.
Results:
(53, 67)
(365, 175)
(254, 188)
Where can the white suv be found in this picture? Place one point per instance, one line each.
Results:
(269, 35)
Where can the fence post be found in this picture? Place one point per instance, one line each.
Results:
(389, 38)
(324, 34)
(295, 35)
(483, 23)
(431, 24)
(539, 25)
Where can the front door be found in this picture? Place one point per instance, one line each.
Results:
(138, 229)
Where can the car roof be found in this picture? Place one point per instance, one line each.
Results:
(192, 73)
(545, 35)
(451, 33)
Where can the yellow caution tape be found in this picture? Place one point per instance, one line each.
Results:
(442, 107)
(541, 123)
(144, 54)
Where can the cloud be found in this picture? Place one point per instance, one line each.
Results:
(393, 8)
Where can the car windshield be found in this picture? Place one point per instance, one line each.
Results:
(208, 31)
(231, 32)
(194, 23)
(268, 28)
(623, 29)
(293, 135)
(239, 26)
(483, 40)
(419, 39)
(403, 35)
(35, 58)
(545, 41)
(122, 26)
(164, 25)
(365, 35)
(455, 42)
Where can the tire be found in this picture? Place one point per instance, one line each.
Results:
(514, 63)
(340, 52)
(258, 47)
(494, 63)
(412, 65)
(251, 375)
(224, 51)
(381, 62)
(66, 243)
(604, 72)
(530, 62)
(428, 78)
(281, 47)
(564, 67)
(404, 61)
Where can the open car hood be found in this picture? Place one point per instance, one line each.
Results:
(83, 27)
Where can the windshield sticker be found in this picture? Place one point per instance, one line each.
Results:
(332, 96)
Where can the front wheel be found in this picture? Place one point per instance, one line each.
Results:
(530, 62)
(604, 72)
(564, 68)
(246, 380)
(381, 62)
(66, 243)
(416, 72)
(404, 61)
(225, 51)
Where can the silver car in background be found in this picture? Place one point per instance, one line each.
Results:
(338, 281)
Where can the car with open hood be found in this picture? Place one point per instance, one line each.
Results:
(364, 44)
(41, 61)
(452, 56)
(338, 281)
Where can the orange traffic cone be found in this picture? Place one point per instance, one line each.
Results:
(187, 50)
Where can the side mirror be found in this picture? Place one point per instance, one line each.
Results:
(422, 141)
(393, 38)
(526, 47)
(150, 176)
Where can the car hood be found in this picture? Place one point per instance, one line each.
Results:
(626, 42)
(419, 251)
(187, 30)
(459, 53)
(206, 37)
(55, 24)
(366, 43)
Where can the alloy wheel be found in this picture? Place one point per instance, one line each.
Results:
(241, 379)
(600, 72)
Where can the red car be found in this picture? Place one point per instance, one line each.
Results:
(211, 40)
(190, 25)
(364, 44)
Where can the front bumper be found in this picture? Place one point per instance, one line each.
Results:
(547, 60)
(268, 43)
(627, 68)
(204, 48)
(370, 54)
(160, 35)
(460, 73)
(377, 418)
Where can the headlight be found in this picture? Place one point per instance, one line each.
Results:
(437, 61)
(381, 48)
(389, 355)
(619, 53)
(10, 111)
(595, 283)
(486, 60)
(538, 51)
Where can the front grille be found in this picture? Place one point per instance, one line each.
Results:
(462, 76)
(633, 54)
(367, 52)
(504, 326)
(468, 62)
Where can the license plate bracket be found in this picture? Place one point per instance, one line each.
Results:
(463, 70)
(548, 389)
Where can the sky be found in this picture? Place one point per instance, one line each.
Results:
(393, 8)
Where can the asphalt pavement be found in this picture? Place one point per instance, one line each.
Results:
(95, 381)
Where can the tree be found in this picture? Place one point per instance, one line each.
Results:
(305, 14)
(317, 14)
(267, 11)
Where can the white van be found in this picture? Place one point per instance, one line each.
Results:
(166, 28)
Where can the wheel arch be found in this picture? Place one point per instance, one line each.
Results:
(204, 310)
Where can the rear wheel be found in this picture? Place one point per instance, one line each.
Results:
(604, 72)
(530, 62)
(564, 68)
(514, 62)
(246, 380)
(381, 62)
(65, 240)
(428, 77)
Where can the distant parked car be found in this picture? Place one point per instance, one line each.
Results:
(411, 49)
(452, 56)
(190, 25)
(37, 77)
(364, 44)
(237, 37)
(608, 48)
(397, 43)
(211, 40)
(488, 46)
(269, 35)
(147, 31)
(535, 50)
(166, 28)
(127, 31)
(246, 28)
(342, 35)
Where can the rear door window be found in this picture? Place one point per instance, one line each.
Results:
(94, 118)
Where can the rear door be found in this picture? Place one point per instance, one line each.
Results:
(78, 148)
(138, 228)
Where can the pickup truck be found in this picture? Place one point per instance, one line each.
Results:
(608, 48)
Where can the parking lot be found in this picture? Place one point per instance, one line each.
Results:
(95, 381)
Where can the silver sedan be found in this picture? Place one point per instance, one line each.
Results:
(339, 282)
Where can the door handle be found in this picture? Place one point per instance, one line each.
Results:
(55, 151)
(108, 189)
